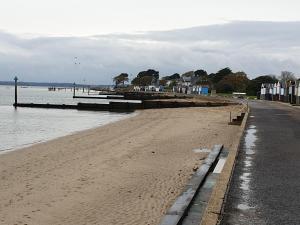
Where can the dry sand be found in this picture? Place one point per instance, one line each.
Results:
(128, 172)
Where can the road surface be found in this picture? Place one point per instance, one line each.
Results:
(265, 188)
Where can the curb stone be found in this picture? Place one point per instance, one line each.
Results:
(215, 205)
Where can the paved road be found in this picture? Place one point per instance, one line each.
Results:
(265, 187)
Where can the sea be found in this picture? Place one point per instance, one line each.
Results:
(22, 127)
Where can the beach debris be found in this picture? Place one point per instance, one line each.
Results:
(153, 152)
(201, 150)
(195, 168)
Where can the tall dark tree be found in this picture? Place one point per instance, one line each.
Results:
(188, 74)
(255, 84)
(201, 73)
(215, 78)
(142, 81)
(233, 82)
(149, 72)
(121, 79)
(202, 77)
(145, 78)
(175, 76)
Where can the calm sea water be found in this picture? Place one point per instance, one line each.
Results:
(25, 126)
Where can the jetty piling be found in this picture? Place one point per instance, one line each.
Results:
(16, 91)
(74, 87)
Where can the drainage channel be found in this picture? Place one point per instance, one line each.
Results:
(190, 206)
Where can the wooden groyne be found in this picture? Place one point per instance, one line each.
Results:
(126, 106)
(133, 95)
(146, 95)
(46, 106)
(100, 97)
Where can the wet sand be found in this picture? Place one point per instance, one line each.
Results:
(128, 172)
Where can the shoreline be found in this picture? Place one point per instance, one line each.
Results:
(48, 137)
(125, 172)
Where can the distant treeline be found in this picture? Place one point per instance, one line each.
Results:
(223, 81)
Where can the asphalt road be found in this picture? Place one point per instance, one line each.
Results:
(265, 188)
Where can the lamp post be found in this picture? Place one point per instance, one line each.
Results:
(16, 91)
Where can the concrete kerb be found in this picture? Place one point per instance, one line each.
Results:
(214, 208)
(178, 210)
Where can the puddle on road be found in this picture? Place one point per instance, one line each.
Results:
(248, 161)
(250, 140)
(244, 207)
(245, 178)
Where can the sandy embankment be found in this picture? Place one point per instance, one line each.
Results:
(126, 173)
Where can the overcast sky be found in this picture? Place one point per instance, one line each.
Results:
(90, 17)
(39, 39)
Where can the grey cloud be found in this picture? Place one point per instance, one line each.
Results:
(255, 47)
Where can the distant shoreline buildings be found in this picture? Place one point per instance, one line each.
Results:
(284, 91)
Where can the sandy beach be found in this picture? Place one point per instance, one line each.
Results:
(125, 173)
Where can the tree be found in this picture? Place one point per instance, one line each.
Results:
(255, 84)
(215, 78)
(147, 77)
(142, 81)
(175, 76)
(173, 83)
(202, 77)
(163, 82)
(188, 74)
(286, 76)
(233, 82)
(201, 73)
(121, 79)
(149, 72)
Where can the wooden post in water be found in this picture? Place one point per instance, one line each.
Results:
(16, 91)
(74, 86)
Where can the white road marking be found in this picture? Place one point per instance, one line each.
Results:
(220, 165)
